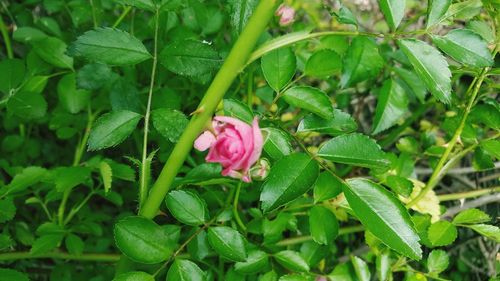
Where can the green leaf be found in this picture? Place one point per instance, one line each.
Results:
(436, 9)
(240, 12)
(383, 215)
(361, 62)
(228, 243)
(12, 275)
(72, 99)
(326, 187)
(399, 185)
(276, 143)
(112, 128)
(106, 175)
(134, 276)
(125, 96)
(341, 123)
(471, 216)
(53, 51)
(394, 11)
(383, 265)
(28, 34)
(142, 240)
(170, 123)
(46, 243)
(184, 270)
(411, 83)
(360, 269)
(187, 207)
(345, 16)
(492, 147)
(7, 209)
(279, 67)
(12, 74)
(27, 105)
(323, 63)
(343, 272)
(465, 46)
(190, 58)
(68, 177)
(489, 231)
(310, 99)
(148, 5)
(256, 261)
(93, 76)
(289, 178)
(74, 244)
(442, 233)
(199, 247)
(292, 260)
(437, 261)
(430, 66)
(354, 149)
(26, 178)
(110, 46)
(323, 225)
(392, 104)
(483, 29)
(237, 109)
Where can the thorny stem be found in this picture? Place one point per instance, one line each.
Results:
(144, 179)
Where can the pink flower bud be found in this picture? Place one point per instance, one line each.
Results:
(260, 170)
(234, 144)
(286, 14)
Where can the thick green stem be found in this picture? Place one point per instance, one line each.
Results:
(6, 39)
(60, 255)
(230, 69)
(144, 179)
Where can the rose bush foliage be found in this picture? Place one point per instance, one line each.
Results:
(333, 140)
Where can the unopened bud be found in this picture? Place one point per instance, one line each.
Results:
(286, 14)
(260, 170)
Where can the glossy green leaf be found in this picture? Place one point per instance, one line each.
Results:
(430, 66)
(12, 74)
(134, 276)
(392, 104)
(465, 46)
(411, 83)
(323, 63)
(436, 9)
(400, 185)
(279, 67)
(46, 243)
(190, 58)
(142, 240)
(326, 187)
(74, 244)
(383, 265)
(276, 143)
(489, 231)
(343, 272)
(228, 243)
(471, 216)
(7, 209)
(241, 10)
(341, 123)
(112, 128)
(437, 261)
(383, 215)
(394, 11)
(199, 247)
(170, 123)
(360, 269)
(361, 62)
(310, 99)
(187, 207)
(71, 98)
(442, 233)
(292, 261)
(110, 46)
(237, 109)
(53, 51)
(256, 261)
(12, 275)
(185, 270)
(289, 178)
(354, 149)
(27, 105)
(323, 225)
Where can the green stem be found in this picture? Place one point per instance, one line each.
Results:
(60, 255)
(301, 239)
(250, 89)
(235, 61)
(122, 16)
(235, 207)
(6, 39)
(468, 194)
(76, 209)
(94, 17)
(144, 179)
(437, 174)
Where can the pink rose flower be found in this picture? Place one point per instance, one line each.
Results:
(234, 144)
(286, 14)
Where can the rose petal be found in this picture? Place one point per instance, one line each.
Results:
(204, 141)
